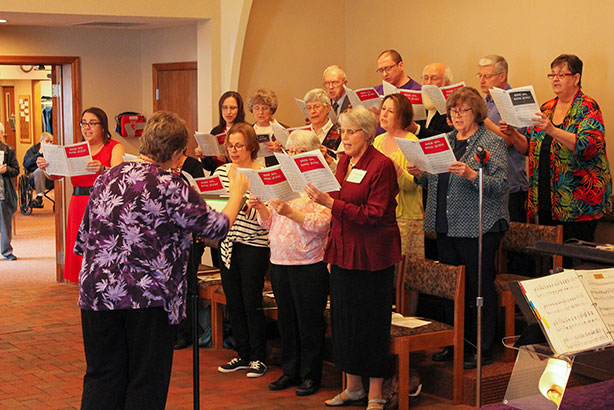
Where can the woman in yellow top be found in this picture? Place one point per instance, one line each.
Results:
(395, 117)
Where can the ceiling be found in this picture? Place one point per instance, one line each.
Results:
(92, 21)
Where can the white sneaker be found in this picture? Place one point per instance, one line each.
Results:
(256, 369)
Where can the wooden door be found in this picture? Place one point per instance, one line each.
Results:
(10, 118)
(175, 90)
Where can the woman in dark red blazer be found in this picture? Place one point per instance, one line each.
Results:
(363, 248)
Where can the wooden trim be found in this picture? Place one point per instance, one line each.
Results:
(70, 74)
(186, 65)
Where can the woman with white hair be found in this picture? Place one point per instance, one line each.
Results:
(363, 247)
(9, 169)
(317, 104)
(298, 231)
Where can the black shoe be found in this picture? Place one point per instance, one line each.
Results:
(284, 382)
(181, 342)
(10, 257)
(308, 387)
(232, 366)
(446, 355)
(472, 361)
(37, 202)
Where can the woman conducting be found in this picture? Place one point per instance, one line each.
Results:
(134, 239)
(363, 247)
(298, 231)
(106, 153)
(569, 176)
(245, 260)
(395, 116)
(452, 212)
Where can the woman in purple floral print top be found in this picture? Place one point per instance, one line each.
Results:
(135, 238)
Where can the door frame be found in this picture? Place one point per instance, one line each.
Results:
(69, 105)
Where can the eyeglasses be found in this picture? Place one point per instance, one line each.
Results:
(85, 124)
(313, 107)
(349, 131)
(332, 84)
(459, 112)
(261, 108)
(229, 107)
(296, 151)
(433, 78)
(560, 76)
(236, 147)
(486, 76)
(386, 70)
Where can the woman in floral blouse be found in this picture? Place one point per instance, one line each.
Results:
(298, 231)
(134, 239)
(569, 176)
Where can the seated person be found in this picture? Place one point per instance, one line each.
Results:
(41, 182)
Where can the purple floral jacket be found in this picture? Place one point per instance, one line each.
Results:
(135, 238)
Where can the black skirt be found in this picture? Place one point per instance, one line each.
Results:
(361, 309)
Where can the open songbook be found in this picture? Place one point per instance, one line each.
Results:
(439, 96)
(211, 145)
(67, 160)
(285, 180)
(432, 154)
(516, 106)
(417, 104)
(281, 133)
(367, 97)
(1, 157)
(574, 308)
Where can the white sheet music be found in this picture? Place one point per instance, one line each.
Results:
(269, 183)
(516, 106)
(129, 157)
(367, 97)
(417, 105)
(67, 160)
(568, 317)
(210, 145)
(439, 96)
(432, 154)
(1, 157)
(600, 285)
(389, 88)
(281, 134)
(308, 167)
(302, 106)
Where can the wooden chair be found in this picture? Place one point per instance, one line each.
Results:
(445, 281)
(208, 289)
(517, 239)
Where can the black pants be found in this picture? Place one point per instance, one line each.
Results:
(301, 292)
(581, 230)
(243, 284)
(464, 251)
(518, 206)
(129, 355)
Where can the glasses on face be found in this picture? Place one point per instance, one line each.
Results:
(237, 147)
(85, 124)
(313, 107)
(261, 108)
(481, 76)
(432, 78)
(349, 131)
(459, 112)
(332, 84)
(387, 69)
(229, 107)
(295, 151)
(560, 76)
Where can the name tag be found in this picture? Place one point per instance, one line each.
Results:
(356, 176)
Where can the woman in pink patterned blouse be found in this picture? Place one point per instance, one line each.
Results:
(298, 231)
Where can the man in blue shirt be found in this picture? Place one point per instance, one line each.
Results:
(493, 73)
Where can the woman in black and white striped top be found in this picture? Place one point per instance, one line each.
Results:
(245, 260)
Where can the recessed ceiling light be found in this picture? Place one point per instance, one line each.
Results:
(3, 20)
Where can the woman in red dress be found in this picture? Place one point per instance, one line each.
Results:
(106, 153)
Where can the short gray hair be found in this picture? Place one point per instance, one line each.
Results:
(497, 61)
(306, 139)
(448, 77)
(264, 96)
(362, 118)
(317, 94)
(334, 67)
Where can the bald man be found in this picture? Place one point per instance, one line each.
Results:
(334, 80)
(440, 75)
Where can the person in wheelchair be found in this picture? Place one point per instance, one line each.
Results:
(34, 173)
